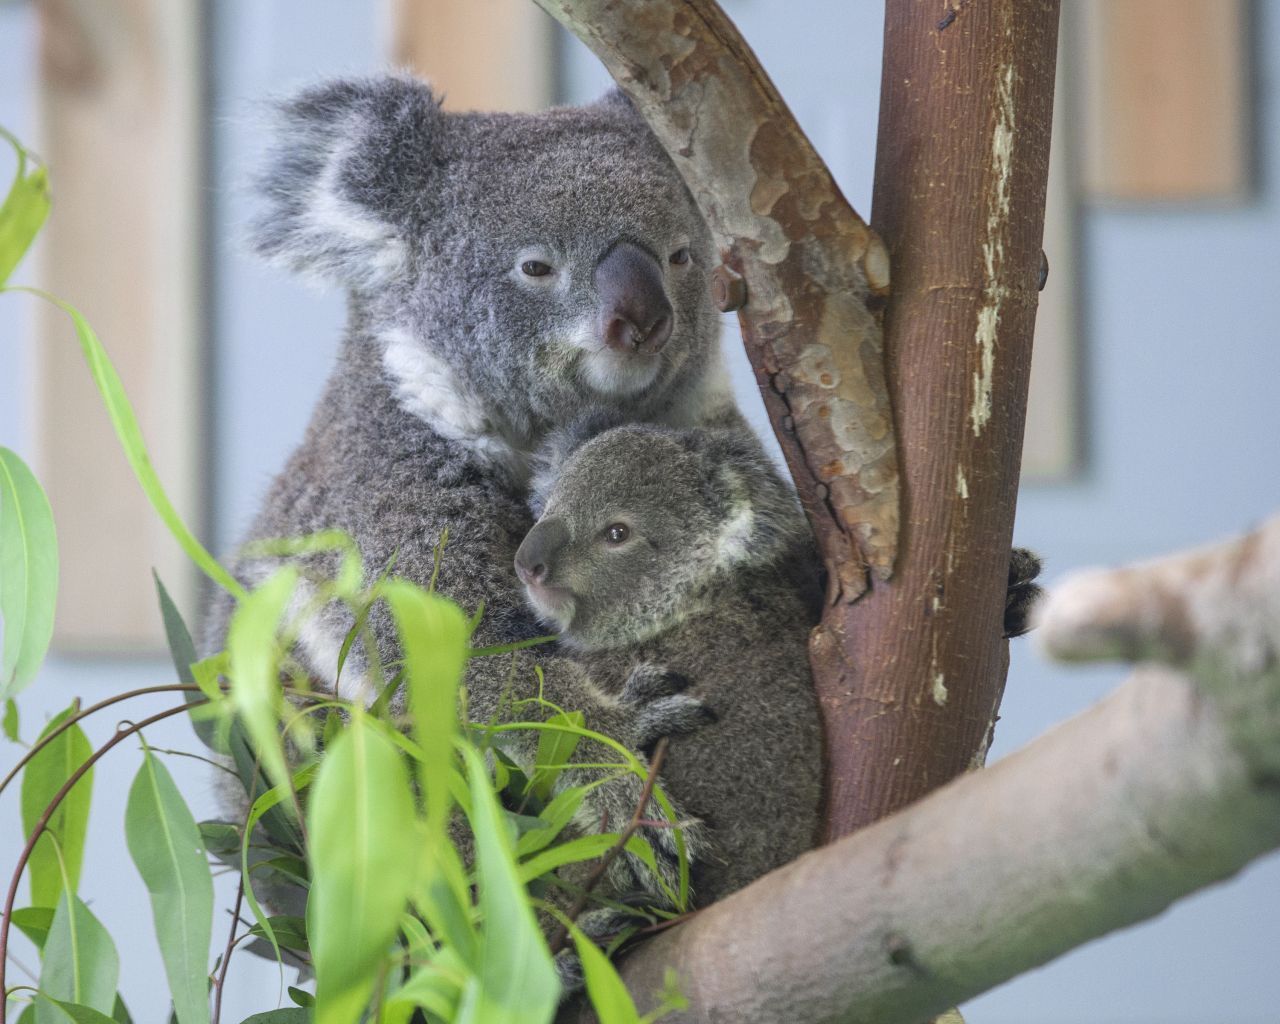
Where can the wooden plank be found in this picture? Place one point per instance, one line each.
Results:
(119, 105)
(1166, 101)
(482, 54)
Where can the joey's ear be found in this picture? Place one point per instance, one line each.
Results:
(348, 164)
(549, 460)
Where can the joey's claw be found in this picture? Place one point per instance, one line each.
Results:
(1023, 592)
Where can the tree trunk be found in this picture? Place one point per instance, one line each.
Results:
(911, 676)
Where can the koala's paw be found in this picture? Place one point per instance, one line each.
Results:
(660, 707)
(1023, 593)
(569, 971)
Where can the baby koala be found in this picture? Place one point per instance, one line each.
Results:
(686, 550)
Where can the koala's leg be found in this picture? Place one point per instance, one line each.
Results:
(649, 705)
(1023, 592)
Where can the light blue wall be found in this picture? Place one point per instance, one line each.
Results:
(1182, 366)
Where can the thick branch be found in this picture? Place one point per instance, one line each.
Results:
(1165, 787)
(810, 264)
(911, 677)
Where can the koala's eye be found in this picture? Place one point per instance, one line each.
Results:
(680, 256)
(535, 268)
(616, 533)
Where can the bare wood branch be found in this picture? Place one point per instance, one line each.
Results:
(809, 262)
(911, 677)
(1170, 784)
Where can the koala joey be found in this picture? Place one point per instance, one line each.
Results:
(663, 556)
(505, 274)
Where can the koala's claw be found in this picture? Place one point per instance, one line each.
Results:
(1023, 593)
(661, 708)
(649, 682)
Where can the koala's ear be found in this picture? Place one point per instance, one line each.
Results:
(549, 460)
(349, 161)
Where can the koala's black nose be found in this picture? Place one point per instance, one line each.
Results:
(535, 557)
(635, 313)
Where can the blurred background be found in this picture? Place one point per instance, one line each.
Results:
(1153, 421)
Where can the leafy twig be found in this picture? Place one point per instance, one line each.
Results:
(655, 765)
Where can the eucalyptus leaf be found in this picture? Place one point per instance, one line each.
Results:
(555, 748)
(182, 650)
(24, 210)
(119, 1012)
(288, 1015)
(434, 637)
(125, 421)
(58, 1011)
(555, 818)
(254, 650)
(44, 775)
(79, 964)
(587, 847)
(301, 997)
(11, 722)
(363, 859)
(28, 574)
(290, 932)
(609, 997)
(165, 844)
(34, 923)
(515, 975)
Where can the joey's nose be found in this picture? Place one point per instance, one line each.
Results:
(535, 558)
(635, 313)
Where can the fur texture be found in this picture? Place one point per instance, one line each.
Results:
(686, 550)
(457, 360)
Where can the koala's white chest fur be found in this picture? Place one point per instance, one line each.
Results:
(426, 387)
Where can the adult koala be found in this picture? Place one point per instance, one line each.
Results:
(506, 274)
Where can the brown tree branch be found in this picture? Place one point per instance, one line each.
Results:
(810, 264)
(1168, 785)
(913, 674)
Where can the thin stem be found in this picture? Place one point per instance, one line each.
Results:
(226, 955)
(78, 716)
(597, 873)
(58, 797)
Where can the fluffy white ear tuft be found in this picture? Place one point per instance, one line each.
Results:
(348, 160)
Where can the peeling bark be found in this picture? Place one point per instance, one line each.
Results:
(809, 263)
(1173, 786)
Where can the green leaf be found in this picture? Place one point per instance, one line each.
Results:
(183, 652)
(44, 775)
(120, 1013)
(609, 996)
(555, 748)
(516, 978)
(220, 838)
(443, 897)
(79, 964)
(290, 932)
(555, 817)
(57, 1011)
(587, 847)
(34, 923)
(28, 574)
(433, 635)
(289, 1015)
(363, 860)
(165, 844)
(254, 650)
(23, 212)
(125, 422)
(11, 722)
(433, 990)
(301, 997)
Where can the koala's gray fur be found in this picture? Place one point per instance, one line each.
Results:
(716, 582)
(456, 363)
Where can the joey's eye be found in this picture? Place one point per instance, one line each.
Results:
(680, 256)
(616, 533)
(535, 268)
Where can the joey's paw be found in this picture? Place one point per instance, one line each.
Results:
(569, 971)
(1023, 593)
(660, 707)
